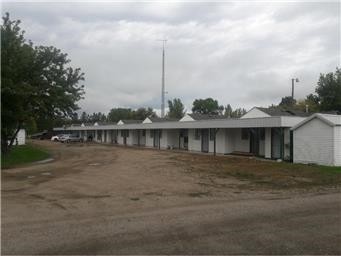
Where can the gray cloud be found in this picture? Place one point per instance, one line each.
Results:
(242, 53)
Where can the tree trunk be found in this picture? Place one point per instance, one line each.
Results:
(8, 147)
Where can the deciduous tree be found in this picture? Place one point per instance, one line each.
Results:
(36, 82)
(176, 109)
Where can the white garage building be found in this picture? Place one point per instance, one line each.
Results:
(317, 139)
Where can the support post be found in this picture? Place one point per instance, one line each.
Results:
(159, 134)
(215, 141)
(291, 146)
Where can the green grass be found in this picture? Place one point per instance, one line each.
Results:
(22, 155)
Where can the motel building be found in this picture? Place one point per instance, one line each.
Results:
(260, 132)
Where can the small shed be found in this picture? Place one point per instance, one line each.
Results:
(317, 139)
(21, 138)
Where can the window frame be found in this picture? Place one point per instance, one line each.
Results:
(245, 134)
(197, 134)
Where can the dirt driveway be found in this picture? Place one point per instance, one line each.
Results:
(98, 199)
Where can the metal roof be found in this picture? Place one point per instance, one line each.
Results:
(197, 116)
(131, 121)
(162, 119)
(283, 112)
(201, 124)
(331, 120)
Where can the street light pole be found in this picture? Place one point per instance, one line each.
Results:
(293, 80)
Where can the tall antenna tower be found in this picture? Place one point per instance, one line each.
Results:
(163, 79)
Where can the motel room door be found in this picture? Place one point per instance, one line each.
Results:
(204, 140)
(254, 141)
(156, 138)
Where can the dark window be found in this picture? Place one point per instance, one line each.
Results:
(197, 134)
(160, 134)
(262, 133)
(124, 133)
(245, 134)
(212, 131)
(183, 133)
(143, 132)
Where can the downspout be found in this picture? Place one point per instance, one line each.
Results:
(282, 143)
(291, 146)
(159, 135)
(215, 141)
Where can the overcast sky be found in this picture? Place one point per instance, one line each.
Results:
(240, 53)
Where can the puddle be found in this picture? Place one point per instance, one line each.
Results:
(94, 164)
(45, 161)
(45, 173)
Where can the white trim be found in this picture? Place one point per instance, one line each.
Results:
(316, 115)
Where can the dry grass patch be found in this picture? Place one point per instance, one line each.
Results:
(260, 172)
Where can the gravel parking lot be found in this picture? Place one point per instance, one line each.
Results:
(104, 199)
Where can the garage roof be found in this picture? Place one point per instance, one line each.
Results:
(332, 120)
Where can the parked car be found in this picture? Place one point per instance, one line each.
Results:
(70, 138)
(57, 137)
(41, 135)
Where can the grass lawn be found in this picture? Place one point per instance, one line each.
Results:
(23, 154)
(264, 173)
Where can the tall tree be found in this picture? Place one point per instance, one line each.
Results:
(207, 106)
(329, 91)
(238, 112)
(228, 111)
(176, 109)
(35, 82)
(116, 114)
(84, 117)
(287, 102)
(143, 113)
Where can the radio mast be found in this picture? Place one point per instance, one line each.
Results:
(163, 79)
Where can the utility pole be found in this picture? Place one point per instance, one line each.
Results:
(163, 79)
(293, 80)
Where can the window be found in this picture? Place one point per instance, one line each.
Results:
(183, 133)
(262, 133)
(212, 133)
(197, 134)
(125, 133)
(245, 134)
(160, 134)
(143, 133)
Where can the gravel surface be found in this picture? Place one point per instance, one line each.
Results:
(98, 199)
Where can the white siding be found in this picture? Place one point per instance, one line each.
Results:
(119, 137)
(255, 112)
(313, 143)
(173, 138)
(130, 138)
(337, 145)
(233, 141)
(261, 147)
(21, 137)
(267, 143)
(220, 142)
(149, 140)
(147, 121)
(229, 141)
(287, 143)
(193, 145)
(186, 118)
(164, 139)
(134, 137)
(239, 144)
